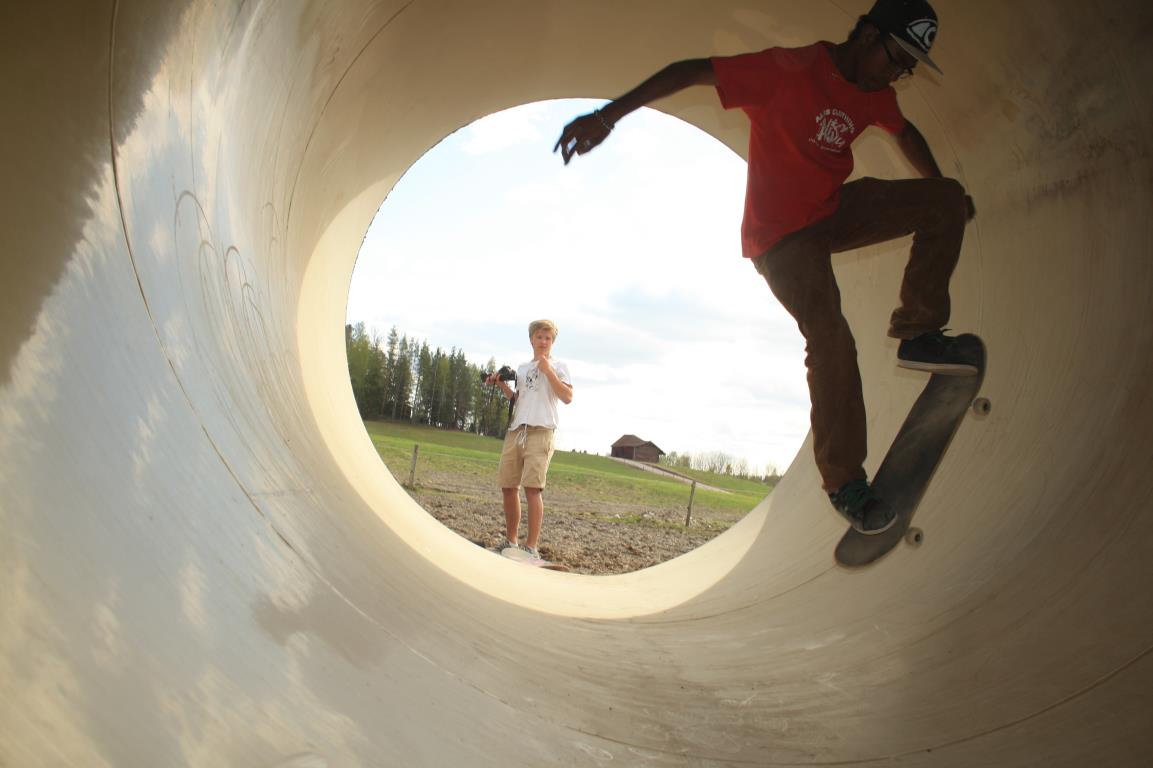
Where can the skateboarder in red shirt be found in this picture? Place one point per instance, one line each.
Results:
(806, 106)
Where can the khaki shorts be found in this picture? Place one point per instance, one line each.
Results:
(525, 457)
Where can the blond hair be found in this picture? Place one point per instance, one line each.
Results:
(542, 325)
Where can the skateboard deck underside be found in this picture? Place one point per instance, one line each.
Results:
(916, 451)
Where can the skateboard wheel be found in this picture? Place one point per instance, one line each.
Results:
(982, 406)
(914, 537)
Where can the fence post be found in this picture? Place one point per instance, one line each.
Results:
(689, 514)
(412, 469)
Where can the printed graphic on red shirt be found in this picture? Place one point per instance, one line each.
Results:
(833, 126)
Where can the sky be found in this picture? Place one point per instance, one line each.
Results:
(632, 250)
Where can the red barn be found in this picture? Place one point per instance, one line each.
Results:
(632, 447)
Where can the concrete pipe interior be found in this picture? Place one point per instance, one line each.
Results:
(204, 563)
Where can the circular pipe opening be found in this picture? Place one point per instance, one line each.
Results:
(669, 333)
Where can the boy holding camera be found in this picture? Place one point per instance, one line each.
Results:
(528, 444)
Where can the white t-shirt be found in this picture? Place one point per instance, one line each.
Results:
(536, 402)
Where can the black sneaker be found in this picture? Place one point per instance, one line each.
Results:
(864, 510)
(937, 353)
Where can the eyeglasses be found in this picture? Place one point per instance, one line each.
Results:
(901, 70)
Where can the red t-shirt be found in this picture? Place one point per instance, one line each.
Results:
(804, 117)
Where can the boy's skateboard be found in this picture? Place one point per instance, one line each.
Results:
(518, 554)
(914, 455)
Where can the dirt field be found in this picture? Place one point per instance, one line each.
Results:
(592, 539)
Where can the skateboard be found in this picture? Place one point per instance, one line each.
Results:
(519, 555)
(916, 451)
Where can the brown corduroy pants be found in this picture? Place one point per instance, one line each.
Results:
(799, 272)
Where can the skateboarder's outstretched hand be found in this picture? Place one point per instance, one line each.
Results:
(582, 135)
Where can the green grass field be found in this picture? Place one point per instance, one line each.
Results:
(596, 479)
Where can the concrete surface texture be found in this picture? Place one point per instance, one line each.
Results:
(203, 562)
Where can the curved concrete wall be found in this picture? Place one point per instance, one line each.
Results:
(203, 563)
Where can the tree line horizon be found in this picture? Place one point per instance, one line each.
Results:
(402, 379)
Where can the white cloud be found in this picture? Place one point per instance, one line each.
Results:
(508, 128)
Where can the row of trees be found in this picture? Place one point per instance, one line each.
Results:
(721, 463)
(404, 380)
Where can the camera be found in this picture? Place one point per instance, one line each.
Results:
(504, 374)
